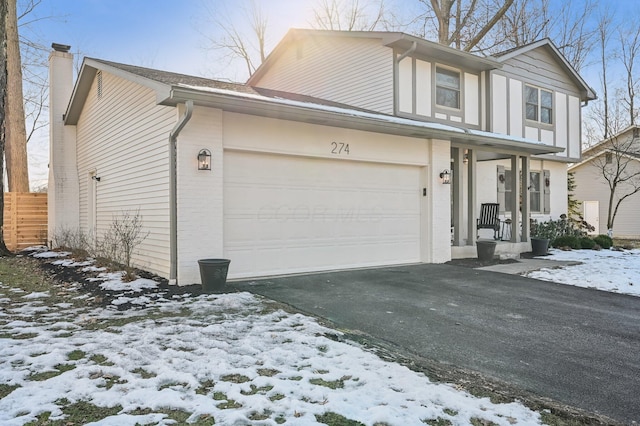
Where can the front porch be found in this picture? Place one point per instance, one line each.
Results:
(478, 176)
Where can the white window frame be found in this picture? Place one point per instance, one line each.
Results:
(532, 194)
(539, 108)
(458, 89)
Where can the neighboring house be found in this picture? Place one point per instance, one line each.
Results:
(332, 156)
(618, 155)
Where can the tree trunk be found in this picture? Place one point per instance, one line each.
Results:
(3, 96)
(15, 131)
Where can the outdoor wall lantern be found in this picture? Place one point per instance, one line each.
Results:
(204, 159)
(446, 177)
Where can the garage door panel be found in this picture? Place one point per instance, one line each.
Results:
(290, 214)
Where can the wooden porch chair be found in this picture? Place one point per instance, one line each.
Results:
(489, 218)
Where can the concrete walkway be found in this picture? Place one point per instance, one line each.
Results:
(528, 265)
(578, 346)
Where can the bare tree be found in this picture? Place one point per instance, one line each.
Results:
(629, 50)
(463, 27)
(618, 162)
(567, 23)
(16, 143)
(3, 96)
(237, 42)
(348, 15)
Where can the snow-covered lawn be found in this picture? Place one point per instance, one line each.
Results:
(235, 359)
(608, 270)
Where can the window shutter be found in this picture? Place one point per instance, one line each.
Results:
(547, 191)
(501, 178)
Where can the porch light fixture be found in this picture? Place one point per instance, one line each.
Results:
(446, 177)
(204, 159)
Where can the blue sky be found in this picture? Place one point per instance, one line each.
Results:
(170, 35)
(164, 34)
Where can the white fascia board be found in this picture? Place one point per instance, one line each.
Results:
(348, 118)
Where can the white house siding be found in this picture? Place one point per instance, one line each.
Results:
(297, 147)
(200, 220)
(524, 70)
(129, 152)
(591, 186)
(350, 70)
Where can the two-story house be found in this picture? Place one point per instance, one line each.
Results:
(335, 154)
(612, 162)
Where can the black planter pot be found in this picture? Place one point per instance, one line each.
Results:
(540, 246)
(213, 273)
(485, 249)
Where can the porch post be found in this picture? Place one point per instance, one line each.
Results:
(472, 226)
(525, 198)
(515, 198)
(458, 199)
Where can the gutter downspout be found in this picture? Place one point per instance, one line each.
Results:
(173, 190)
(412, 49)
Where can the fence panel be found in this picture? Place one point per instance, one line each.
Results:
(25, 219)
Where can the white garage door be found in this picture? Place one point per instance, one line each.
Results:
(285, 214)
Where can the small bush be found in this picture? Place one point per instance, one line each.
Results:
(603, 241)
(566, 241)
(587, 243)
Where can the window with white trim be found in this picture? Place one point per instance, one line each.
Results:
(447, 88)
(538, 104)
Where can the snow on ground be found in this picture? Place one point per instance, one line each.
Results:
(608, 270)
(231, 357)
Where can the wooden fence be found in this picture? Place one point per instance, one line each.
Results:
(25, 219)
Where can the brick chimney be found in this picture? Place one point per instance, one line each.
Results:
(63, 188)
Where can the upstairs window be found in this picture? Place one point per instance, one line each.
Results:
(539, 105)
(447, 88)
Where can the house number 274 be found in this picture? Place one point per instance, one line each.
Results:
(339, 148)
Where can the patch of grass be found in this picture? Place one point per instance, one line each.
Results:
(295, 378)
(25, 273)
(229, 404)
(280, 419)
(267, 372)
(219, 396)
(260, 416)
(551, 419)
(450, 412)
(331, 384)
(76, 355)
(110, 381)
(79, 413)
(22, 336)
(46, 375)
(438, 422)
(180, 417)
(476, 421)
(144, 373)
(255, 390)
(173, 384)
(100, 360)
(205, 387)
(334, 419)
(235, 378)
(276, 397)
(7, 389)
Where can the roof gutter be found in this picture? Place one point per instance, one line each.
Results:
(412, 49)
(173, 190)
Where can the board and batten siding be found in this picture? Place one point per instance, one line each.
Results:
(350, 70)
(507, 102)
(415, 91)
(129, 152)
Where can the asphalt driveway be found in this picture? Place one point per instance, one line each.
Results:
(578, 346)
